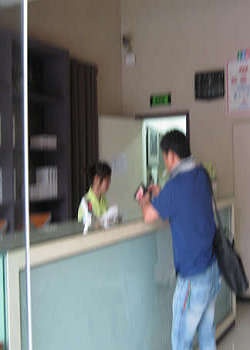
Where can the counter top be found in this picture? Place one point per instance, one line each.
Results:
(73, 230)
(49, 232)
(94, 238)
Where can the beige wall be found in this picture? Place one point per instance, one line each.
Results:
(172, 39)
(120, 142)
(90, 30)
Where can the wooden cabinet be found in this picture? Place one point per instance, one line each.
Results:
(49, 131)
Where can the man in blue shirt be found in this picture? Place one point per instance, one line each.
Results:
(186, 202)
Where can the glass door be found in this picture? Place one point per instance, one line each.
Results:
(14, 226)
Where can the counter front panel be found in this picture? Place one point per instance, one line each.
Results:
(115, 297)
(118, 297)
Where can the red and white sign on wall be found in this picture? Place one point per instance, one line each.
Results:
(238, 85)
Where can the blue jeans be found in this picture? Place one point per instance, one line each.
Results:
(193, 310)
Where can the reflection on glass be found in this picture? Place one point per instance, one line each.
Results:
(11, 152)
(11, 161)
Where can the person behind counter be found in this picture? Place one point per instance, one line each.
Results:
(100, 178)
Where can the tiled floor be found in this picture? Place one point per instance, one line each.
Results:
(239, 337)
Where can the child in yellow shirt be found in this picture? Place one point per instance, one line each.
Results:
(100, 178)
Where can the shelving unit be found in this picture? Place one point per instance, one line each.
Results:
(49, 114)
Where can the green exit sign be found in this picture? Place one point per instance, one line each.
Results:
(160, 100)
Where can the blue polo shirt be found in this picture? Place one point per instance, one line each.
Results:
(186, 202)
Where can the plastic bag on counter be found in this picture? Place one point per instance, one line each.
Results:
(110, 217)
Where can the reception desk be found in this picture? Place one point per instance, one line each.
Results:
(107, 290)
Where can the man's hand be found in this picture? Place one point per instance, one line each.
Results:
(144, 200)
(148, 211)
(154, 189)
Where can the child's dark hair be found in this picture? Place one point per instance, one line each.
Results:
(177, 142)
(101, 169)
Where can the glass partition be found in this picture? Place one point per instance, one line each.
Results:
(11, 121)
(12, 193)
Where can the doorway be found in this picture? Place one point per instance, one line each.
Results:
(241, 153)
(153, 128)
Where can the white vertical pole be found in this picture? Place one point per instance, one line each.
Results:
(26, 165)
